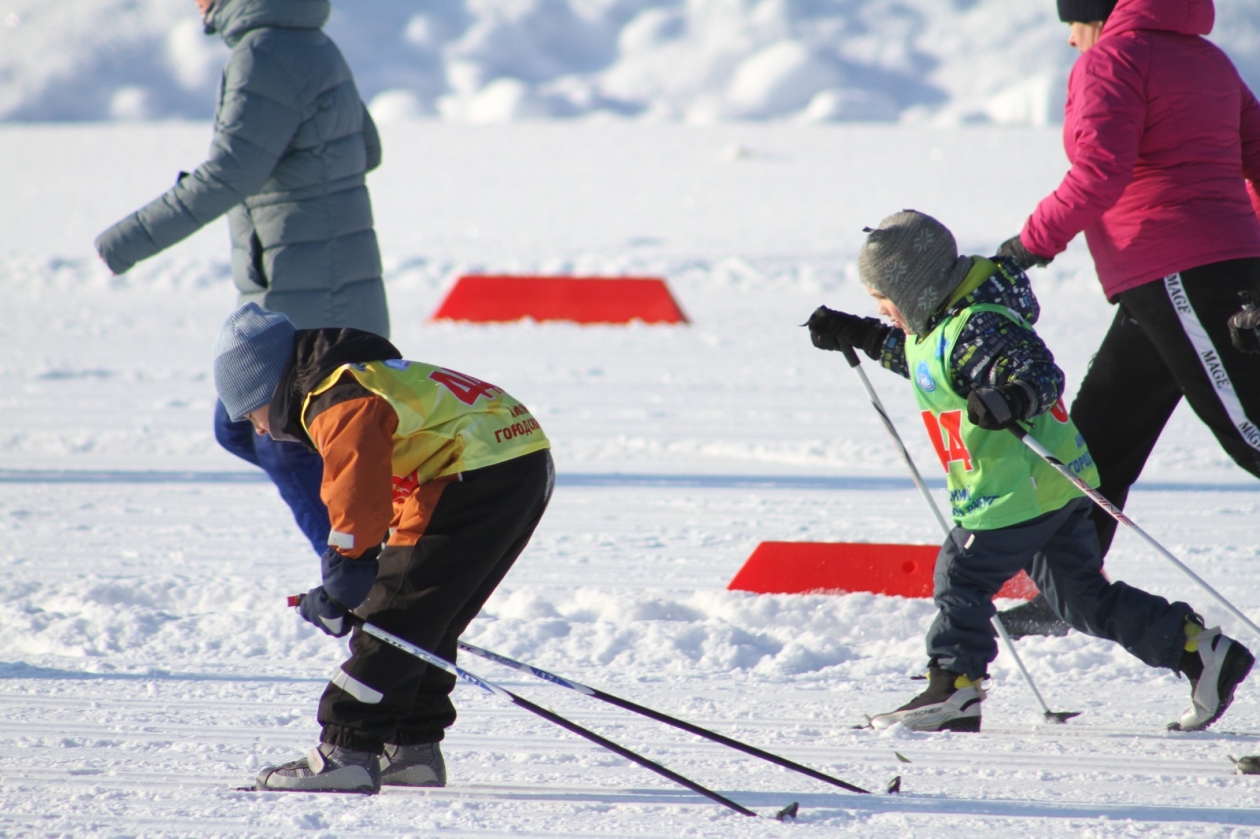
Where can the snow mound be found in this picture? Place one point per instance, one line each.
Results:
(489, 61)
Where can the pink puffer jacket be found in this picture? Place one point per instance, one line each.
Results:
(1161, 132)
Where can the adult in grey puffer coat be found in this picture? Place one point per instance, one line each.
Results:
(292, 144)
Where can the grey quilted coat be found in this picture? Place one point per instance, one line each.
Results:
(292, 143)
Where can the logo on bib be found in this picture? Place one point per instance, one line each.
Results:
(924, 378)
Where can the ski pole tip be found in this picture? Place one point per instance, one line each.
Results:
(1060, 717)
(789, 812)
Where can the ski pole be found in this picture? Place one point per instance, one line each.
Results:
(856, 363)
(493, 689)
(656, 715)
(1113, 511)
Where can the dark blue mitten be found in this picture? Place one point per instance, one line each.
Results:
(346, 585)
(327, 614)
(347, 580)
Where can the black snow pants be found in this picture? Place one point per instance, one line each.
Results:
(1059, 550)
(1170, 338)
(428, 593)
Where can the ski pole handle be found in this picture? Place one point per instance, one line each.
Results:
(850, 355)
(295, 600)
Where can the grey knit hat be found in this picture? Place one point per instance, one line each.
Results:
(250, 356)
(912, 259)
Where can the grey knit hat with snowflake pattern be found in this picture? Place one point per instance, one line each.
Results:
(912, 259)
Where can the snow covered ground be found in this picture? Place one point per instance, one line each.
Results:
(148, 666)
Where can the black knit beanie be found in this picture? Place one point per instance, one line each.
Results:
(1085, 11)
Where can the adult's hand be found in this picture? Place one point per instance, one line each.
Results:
(1244, 328)
(1025, 259)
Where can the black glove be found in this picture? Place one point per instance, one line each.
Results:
(1025, 259)
(832, 330)
(1244, 326)
(346, 585)
(995, 408)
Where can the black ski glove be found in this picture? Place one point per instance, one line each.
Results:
(1244, 326)
(995, 408)
(832, 330)
(346, 585)
(1024, 258)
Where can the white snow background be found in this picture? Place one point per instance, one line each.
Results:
(148, 666)
(487, 61)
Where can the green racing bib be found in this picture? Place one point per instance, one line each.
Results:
(994, 479)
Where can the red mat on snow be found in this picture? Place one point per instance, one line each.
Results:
(497, 298)
(803, 567)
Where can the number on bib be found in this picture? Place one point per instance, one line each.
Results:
(946, 436)
(466, 389)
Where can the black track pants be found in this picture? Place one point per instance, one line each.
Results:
(428, 593)
(1170, 338)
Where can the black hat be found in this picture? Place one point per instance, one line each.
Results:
(1085, 11)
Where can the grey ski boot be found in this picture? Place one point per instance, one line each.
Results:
(326, 768)
(420, 765)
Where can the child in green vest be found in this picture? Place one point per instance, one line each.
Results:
(963, 335)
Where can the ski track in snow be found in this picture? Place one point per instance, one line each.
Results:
(148, 666)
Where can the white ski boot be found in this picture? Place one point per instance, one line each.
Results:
(326, 768)
(1216, 665)
(950, 703)
(413, 766)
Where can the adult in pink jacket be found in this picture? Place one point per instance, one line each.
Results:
(1163, 136)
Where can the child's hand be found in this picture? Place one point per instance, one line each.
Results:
(996, 408)
(832, 330)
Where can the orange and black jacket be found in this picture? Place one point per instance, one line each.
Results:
(392, 433)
